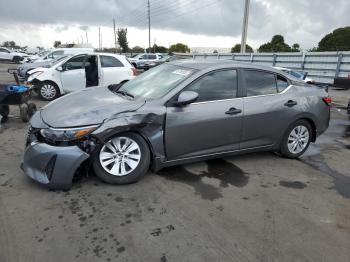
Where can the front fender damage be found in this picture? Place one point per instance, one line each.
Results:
(149, 125)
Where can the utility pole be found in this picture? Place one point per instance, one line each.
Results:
(99, 38)
(115, 36)
(245, 26)
(87, 39)
(149, 26)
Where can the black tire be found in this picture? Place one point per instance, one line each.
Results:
(284, 150)
(4, 112)
(16, 59)
(139, 172)
(48, 84)
(24, 112)
(31, 109)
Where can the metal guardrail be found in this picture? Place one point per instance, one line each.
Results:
(323, 67)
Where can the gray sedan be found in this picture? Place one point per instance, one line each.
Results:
(179, 112)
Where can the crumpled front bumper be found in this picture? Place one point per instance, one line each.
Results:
(52, 166)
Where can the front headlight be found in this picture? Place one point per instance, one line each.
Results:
(67, 134)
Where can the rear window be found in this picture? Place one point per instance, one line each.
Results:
(110, 61)
(259, 83)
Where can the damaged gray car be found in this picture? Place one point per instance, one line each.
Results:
(176, 113)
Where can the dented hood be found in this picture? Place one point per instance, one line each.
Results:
(88, 107)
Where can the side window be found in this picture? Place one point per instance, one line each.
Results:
(144, 57)
(152, 57)
(259, 83)
(218, 85)
(110, 61)
(3, 50)
(74, 63)
(282, 83)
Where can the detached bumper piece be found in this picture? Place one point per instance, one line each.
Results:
(51, 165)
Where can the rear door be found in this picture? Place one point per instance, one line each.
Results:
(113, 70)
(73, 75)
(210, 125)
(265, 114)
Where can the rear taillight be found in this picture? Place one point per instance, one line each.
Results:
(134, 71)
(327, 100)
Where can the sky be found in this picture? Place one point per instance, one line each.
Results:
(205, 23)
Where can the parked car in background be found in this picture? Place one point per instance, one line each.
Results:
(58, 52)
(32, 58)
(80, 71)
(300, 75)
(178, 112)
(23, 69)
(9, 55)
(145, 61)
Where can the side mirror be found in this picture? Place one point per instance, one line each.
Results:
(186, 98)
(60, 69)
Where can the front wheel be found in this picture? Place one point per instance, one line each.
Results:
(48, 91)
(123, 159)
(296, 139)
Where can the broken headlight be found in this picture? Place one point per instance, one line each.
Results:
(67, 134)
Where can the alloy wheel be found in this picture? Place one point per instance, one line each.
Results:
(48, 91)
(120, 156)
(298, 139)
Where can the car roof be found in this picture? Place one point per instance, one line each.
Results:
(216, 64)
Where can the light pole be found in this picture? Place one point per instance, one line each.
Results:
(245, 26)
(149, 26)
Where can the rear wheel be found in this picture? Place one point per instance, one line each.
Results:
(16, 59)
(123, 159)
(48, 91)
(4, 112)
(296, 139)
(24, 112)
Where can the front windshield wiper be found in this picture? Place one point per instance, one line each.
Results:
(124, 93)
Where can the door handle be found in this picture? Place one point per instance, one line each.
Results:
(291, 103)
(233, 111)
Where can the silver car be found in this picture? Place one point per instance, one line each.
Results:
(178, 112)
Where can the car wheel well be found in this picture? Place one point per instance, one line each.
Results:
(313, 126)
(141, 135)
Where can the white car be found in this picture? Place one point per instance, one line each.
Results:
(58, 52)
(9, 55)
(143, 61)
(297, 74)
(80, 71)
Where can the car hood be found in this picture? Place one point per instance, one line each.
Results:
(38, 69)
(88, 107)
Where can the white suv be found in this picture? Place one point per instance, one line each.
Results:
(144, 61)
(8, 55)
(80, 71)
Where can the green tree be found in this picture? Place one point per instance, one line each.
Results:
(296, 47)
(157, 49)
(137, 49)
(277, 44)
(179, 48)
(338, 40)
(11, 44)
(122, 39)
(237, 49)
(56, 44)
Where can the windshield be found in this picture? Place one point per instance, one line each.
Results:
(296, 74)
(57, 60)
(43, 53)
(157, 82)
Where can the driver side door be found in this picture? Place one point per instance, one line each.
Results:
(73, 76)
(210, 125)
